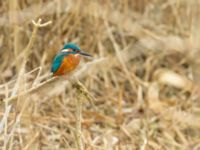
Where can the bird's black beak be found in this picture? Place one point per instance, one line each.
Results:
(84, 53)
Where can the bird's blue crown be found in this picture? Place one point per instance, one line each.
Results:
(71, 46)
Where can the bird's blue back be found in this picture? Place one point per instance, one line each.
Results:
(57, 62)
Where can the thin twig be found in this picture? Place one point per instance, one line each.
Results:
(79, 103)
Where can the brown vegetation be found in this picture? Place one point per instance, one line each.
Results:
(140, 91)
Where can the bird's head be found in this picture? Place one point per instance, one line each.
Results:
(72, 48)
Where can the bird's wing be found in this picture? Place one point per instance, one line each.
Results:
(57, 62)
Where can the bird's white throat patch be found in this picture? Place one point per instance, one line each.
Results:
(76, 55)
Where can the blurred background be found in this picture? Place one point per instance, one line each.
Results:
(144, 76)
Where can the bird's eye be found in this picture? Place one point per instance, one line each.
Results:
(76, 50)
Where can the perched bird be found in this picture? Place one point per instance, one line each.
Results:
(67, 59)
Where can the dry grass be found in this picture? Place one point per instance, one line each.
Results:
(141, 90)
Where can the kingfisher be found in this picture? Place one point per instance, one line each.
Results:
(67, 59)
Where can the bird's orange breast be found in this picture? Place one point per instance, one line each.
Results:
(69, 63)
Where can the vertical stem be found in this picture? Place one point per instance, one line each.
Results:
(78, 121)
(81, 93)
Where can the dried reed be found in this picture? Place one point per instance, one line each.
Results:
(144, 75)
